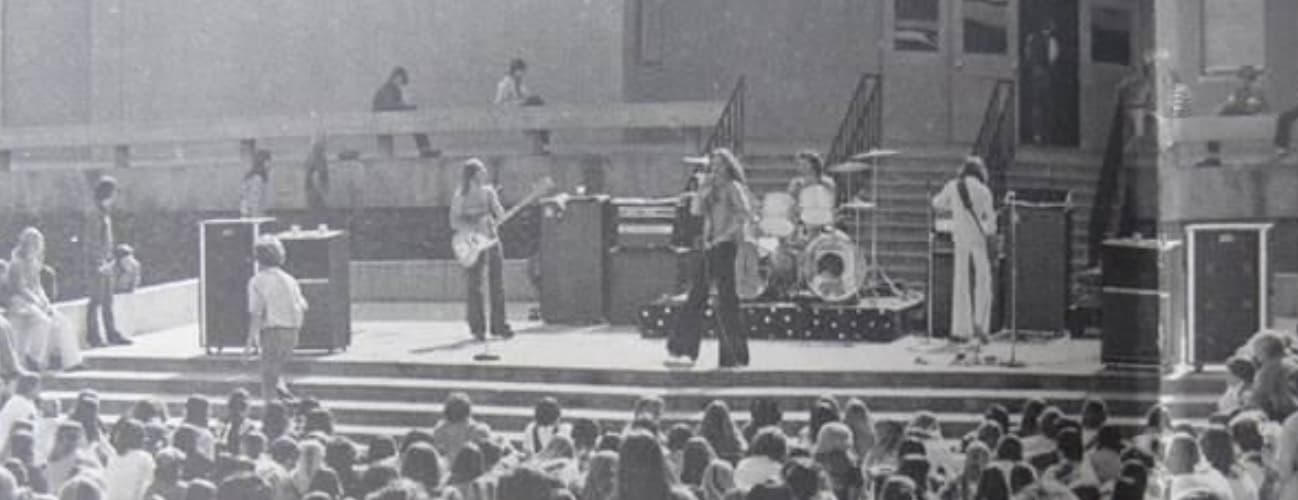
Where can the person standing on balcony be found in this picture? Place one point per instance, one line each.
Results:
(511, 92)
(99, 245)
(1041, 54)
(1247, 99)
(391, 97)
(252, 201)
(970, 203)
(317, 180)
(1137, 94)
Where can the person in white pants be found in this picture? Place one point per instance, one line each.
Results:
(973, 215)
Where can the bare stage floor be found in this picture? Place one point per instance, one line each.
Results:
(433, 334)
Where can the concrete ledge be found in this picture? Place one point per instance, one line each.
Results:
(428, 281)
(148, 309)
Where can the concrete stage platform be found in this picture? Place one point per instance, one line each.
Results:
(406, 358)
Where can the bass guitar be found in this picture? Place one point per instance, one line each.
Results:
(469, 245)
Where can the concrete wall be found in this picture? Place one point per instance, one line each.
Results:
(139, 60)
(146, 310)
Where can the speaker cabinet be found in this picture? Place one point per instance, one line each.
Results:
(321, 260)
(1038, 261)
(1228, 282)
(225, 265)
(574, 243)
(639, 276)
(1131, 301)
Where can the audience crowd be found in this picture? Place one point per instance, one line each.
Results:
(1247, 450)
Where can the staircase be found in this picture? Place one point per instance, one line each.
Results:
(371, 398)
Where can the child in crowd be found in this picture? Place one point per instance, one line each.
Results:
(1239, 385)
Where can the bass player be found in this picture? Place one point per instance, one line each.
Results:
(475, 208)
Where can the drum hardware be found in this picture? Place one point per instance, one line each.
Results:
(877, 278)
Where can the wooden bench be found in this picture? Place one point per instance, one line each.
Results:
(693, 116)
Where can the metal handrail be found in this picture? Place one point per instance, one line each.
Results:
(729, 130)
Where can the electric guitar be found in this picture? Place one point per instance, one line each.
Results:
(469, 245)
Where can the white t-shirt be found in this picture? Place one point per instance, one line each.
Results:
(18, 408)
(128, 476)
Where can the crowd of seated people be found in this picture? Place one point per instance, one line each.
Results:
(842, 453)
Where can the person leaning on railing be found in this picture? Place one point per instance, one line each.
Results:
(391, 97)
(511, 91)
(1246, 100)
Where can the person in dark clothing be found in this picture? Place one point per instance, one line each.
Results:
(391, 97)
(1246, 100)
(99, 244)
(1041, 53)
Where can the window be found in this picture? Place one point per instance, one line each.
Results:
(1111, 35)
(918, 25)
(986, 26)
(1234, 35)
(650, 31)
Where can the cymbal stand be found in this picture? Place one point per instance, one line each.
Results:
(875, 275)
(485, 297)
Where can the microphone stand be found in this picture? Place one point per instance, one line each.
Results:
(1012, 200)
(485, 354)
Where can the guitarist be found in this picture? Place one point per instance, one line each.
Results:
(722, 202)
(475, 208)
(970, 204)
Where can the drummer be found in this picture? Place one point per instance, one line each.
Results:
(812, 171)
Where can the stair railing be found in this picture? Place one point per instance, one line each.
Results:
(861, 129)
(1108, 210)
(997, 140)
(729, 130)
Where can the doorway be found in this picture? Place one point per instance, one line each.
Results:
(1049, 73)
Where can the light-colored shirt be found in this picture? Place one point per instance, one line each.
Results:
(755, 470)
(966, 223)
(252, 202)
(275, 297)
(450, 437)
(17, 409)
(510, 91)
(474, 211)
(128, 476)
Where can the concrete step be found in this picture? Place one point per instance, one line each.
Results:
(865, 378)
(607, 397)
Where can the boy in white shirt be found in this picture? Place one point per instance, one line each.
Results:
(276, 308)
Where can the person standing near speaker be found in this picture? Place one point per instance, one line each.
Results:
(970, 203)
(475, 207)
(723, 203)
(99, 245)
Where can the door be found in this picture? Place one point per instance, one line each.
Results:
(942, 58)
(1112, 49)
(1049, 51)
(986, 42)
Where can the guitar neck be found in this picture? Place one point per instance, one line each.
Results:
(527, 200)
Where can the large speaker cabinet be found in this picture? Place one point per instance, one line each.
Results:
(1228, 279)
(574, 243)
(225, 265)
(1037, 267)
(1132, 299)
(320, 260)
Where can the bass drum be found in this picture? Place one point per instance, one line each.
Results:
(765, 269)
(833, 267)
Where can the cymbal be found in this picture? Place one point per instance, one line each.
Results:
(874, 153)
(695, 160)
(857, 205)
(849, 167)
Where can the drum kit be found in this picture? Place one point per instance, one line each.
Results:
(796, 250)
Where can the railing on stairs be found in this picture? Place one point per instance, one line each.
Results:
(729, 130)
(997, 139)
(1110, 214)
(862, 126)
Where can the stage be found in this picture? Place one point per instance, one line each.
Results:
(406, 358)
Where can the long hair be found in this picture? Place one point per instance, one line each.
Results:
(601, 478)
(642, 470)
(730, 162)
(472, 167)
(31, 245)
(720, 431)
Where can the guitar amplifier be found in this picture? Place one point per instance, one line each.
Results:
(1131, 300)
(226, 265)
(320, 260)
(645, 223)
(574, 243)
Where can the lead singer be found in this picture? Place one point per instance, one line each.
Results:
(722, 202)
(970, 204)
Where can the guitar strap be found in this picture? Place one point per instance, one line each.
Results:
(967, 201)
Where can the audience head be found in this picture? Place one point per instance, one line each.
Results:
(253, 444)
(547, 411)
(719, 429)
(200, 489)
(243, 486)
(917, 468)
(559, 447)
(1157, 419)
(1070, 446)
(678, 435)
(237, 403)
(648, 407)
(993, 485)
(1269, 346)
(275, 420)
(1182, 454)
(912, 447)
(977, 456)
(764, 412)
(1009, 449)
(585, 432)
(105, 190)
(610, 441)
(925, 424)
(185, 439)
(822, 413)
(771, 490)
(169, 462)
(67, 438)
(196, 412)
(1094, 413)
(834, 437)
(1246, 433)
(376, 476)
(642, 469)
(697, 456)
(86, 488)
(1218, 449)
(1029, 420)
(990, 433)
(601, 476)
(380, 448)
(1021, 476)
(999, 414)
(318, 420)
(468, 465)
(1241, 369)
(771, 443)
(421, 464)
(131, 437)
(1049, 422)
(857, 417)
(22, 445)
(458, 408)
(528, 483)
(898, 487)
(284, 452)
(804, 477)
